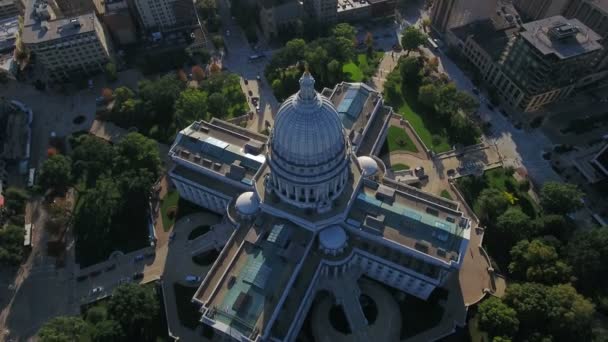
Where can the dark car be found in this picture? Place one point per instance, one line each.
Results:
(95, 273)
(451, 172)
(138, 275)
(82, 277)
(490, 107)
(246, 82)
(139, 257)
(250, 93)
(111, 267)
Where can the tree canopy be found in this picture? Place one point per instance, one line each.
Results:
(56, 173)
(587, 252)
(497, 318)
(134, 307)
(191, 106)
(63, 329)
(11, 245)
(538, 261)
(412, 38)
(492, 203)
(560, 198)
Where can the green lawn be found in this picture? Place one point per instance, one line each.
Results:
(169, 202)
(400, 167)
(187, 312)
(399, 140)
(353, 72)
(446, 194)
(431, 131)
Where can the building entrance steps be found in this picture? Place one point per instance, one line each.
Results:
(216, 238)
(347, 292)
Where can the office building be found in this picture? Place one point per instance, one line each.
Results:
(540, 9)
(446, 14)
(325, 11)
(312, 210)
(72, 8)
(166, 15)
(276, 15)
(532, 64)
(65, 47)
(9, 8)
(9, 29)
(116, 16)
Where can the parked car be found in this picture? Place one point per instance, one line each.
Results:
(110, 267)
(193, 279)
(100, 100)
(138, 275)
(475, 91)
(245, 81)
(96, 291)
(82, 277)
(250, 93)
(451, 172)
(95, 273)
(139, 257)
(124, 280)
(172, 236)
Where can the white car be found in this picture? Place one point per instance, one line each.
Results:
(97, 290)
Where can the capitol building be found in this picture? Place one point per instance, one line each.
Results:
(312, 210)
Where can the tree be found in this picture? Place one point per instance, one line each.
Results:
(539, 262)
(409, 69)
(91, 158)
(56, 173)
(63, 329)
(587, 252)
(369, 43)
(513, 222)
(122, 94)
(190, 106)
(159, 96)
(108, 331)
(343, 49)
(217, 105)
(206, 8)
(111, 72)
(345, 31)
(198, 74)
(560, 198)
(492, 203)
(497, 319)
(14, 200)
(135, 307)
(551, 224)
(181, 75)
(11, 245)
(412, 38)
(214, 68)
(107, 94)
(334, 71)
(556, 310)
(426, 23)
(137, 152)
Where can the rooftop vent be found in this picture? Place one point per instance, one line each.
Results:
(563, 31)
(75, 23)
(422, 246)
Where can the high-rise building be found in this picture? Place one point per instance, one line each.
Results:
(311, 209)
(533, 64)
(166, 15)
(65, 47)
(276, 15)
(9, 8)
(540, 9)
(446, 14)
(325, 11)
(592, 13)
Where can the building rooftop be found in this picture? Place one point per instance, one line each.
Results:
(347, 5)
(48, 30)
(222, 148)
(410, 221)
(8, 33)
(491, 34)
(561, 37)
(255, 279)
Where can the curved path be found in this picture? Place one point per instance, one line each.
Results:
(386, 327)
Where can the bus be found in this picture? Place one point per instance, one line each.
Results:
(254, 58)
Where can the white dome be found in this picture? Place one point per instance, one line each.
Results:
(307, 130)
(309, 152)
(247, 203)
(369, 167)
(333, 238)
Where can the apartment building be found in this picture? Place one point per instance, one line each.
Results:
(446, 14)
(532, 64)
(65, 47)
(540, 9)
(165, 15)
(9, 8)
(325, 11)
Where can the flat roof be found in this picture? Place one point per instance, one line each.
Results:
(8, 32)
(256, 278)
(491, 34)
(221, 147)
(57, 29)
(539, 34)
(410, 221)
(348, 5)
